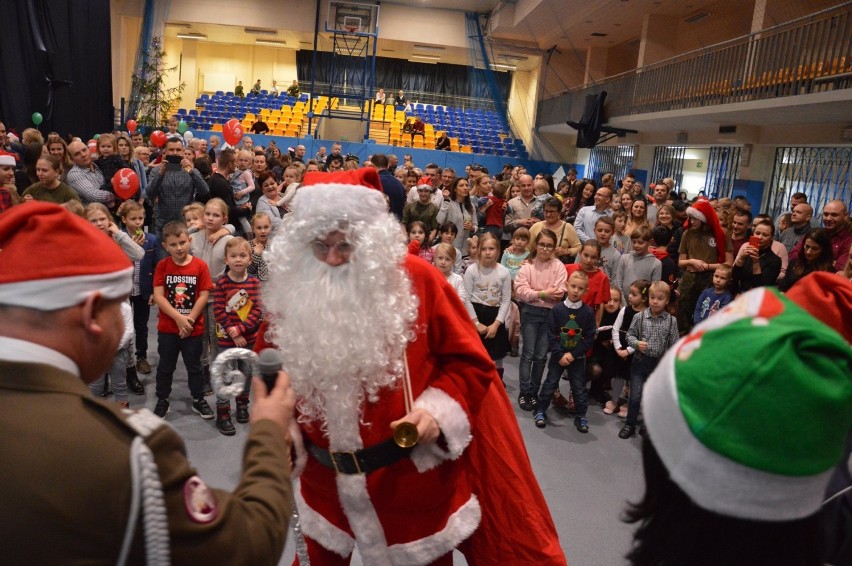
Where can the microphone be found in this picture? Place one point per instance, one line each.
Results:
(269, 361)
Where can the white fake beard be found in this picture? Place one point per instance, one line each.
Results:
(342, 330)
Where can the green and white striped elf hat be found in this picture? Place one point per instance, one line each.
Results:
(750, 411)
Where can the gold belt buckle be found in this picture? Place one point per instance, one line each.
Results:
(351, 454)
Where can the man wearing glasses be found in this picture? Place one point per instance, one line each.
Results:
(382, 355)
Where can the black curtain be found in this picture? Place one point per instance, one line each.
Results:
(55, 59)
(395, 74)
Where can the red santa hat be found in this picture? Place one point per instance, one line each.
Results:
(7, 159)
(703, 211)
(351, 196)
(828, 298)
(52, 259)
(363, 177)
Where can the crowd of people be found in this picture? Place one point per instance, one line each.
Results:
(593, 282)
(514, 246)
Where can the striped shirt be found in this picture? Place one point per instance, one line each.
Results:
(237, 304)
(89, 185)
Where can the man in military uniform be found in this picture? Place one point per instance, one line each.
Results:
(85, 481)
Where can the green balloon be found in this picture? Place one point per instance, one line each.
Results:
(182, 126)
(37, 118)
(96, 136)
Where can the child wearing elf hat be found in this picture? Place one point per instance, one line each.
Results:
(738, 454)
(703, 248)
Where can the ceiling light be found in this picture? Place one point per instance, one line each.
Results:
(192, 35)
(425, 57)
(272, 42)
(178, 25)
(501, 67)
(429, 47)
(510, 57)
(696, 17)
(260, 31)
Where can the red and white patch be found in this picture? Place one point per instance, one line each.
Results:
(199, 500)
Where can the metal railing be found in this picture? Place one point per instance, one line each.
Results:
(807, 55)
(421, 97)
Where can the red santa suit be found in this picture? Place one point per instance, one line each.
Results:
(476, 481)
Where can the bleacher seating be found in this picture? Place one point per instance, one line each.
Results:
(283, 114)
(470, 130)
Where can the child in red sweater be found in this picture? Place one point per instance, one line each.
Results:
(238, 309)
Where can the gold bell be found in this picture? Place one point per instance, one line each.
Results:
(405, 435)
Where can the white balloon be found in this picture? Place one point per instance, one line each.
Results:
(187, 135)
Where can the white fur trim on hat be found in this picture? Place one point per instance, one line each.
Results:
(695, 213)
(352, 203)
(712, 481)
(7, 160)
(63, 292)
(454, 424)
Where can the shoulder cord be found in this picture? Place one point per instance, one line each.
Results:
(145, 482)
(301, 544)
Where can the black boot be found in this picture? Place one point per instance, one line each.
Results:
(500, 373)
(207, 389)
(223, 419)
(242, 408)
(133, 384)
(105, 392)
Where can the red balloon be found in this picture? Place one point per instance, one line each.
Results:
(158, 137)
(125, 182)
(232, 131)
(131, 126)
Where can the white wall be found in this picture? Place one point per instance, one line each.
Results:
(246, 63)
(522, 103)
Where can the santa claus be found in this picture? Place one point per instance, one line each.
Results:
(373, 337)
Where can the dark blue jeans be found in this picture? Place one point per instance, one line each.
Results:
(534, 353)
(576, 371)
(141, 313)
(169, 346)
(640, 369)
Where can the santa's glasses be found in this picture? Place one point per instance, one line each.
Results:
(321, 249)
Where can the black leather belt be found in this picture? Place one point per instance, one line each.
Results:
(364, 461)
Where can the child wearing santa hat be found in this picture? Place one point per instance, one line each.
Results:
(8, 194)
(703, 248)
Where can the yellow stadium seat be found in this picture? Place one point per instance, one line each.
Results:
(216, 128)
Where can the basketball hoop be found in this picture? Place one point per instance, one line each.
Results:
(351, 29)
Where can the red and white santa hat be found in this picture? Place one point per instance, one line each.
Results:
(352, 196)
(704, 211)
(7, 159)
(52, 259)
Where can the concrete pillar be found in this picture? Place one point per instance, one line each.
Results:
(659, 39)
(189, 72)
(758, 15)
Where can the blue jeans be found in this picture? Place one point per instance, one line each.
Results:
(534, 353)
(169, 346)
(640, 369)
(117, 377)
(576, 371)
